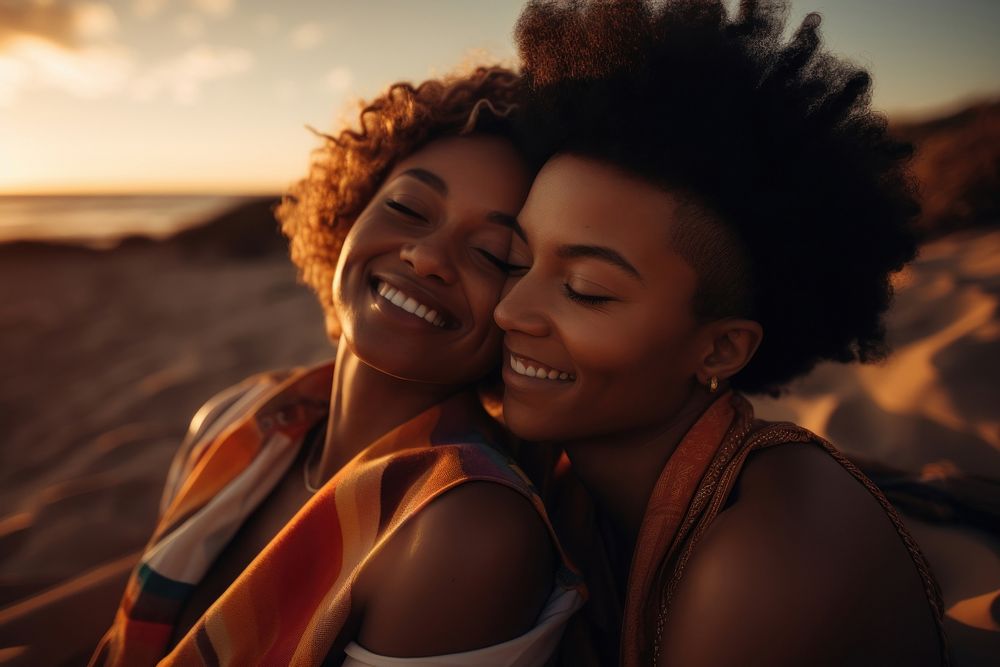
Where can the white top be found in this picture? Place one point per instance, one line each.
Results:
(532, 649)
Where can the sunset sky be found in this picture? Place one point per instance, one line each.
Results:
(213, 95)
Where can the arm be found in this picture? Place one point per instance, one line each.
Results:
(471, 570)
(805, 568)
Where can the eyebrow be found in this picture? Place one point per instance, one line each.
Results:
(437, 183)
(601, 253)
(428, 177)
(506, 220)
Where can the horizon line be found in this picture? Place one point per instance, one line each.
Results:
(129, 192)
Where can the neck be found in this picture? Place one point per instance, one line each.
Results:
(365, 404)
(620, 469)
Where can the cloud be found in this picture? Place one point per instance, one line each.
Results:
(13, 76)
(69, 46)
(266, 24)
(339, 79)
(182, 77)
(95, 20)
(307, 36)
(214, 7)
(36, 63)
(60, 45)
(147, 9)
(70, 25)
(190, 25)
(285, 91)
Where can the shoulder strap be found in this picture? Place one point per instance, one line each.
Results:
(710, 500)
(679, 490)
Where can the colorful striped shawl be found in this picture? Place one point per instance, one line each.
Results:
(290, 604)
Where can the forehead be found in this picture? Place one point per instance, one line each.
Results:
(473, 167)
(581, 200)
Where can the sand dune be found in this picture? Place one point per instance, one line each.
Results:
(957, 164)
(935, 400)
(105, 357)
(932, 408)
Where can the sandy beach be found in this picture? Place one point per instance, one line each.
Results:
(106, 355)
(144, 147)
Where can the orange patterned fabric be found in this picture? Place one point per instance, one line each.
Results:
(291, 603)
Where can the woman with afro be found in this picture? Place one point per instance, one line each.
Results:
(724, 211)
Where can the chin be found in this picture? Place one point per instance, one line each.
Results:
(530, 424)
(409, 365)
(404, 369)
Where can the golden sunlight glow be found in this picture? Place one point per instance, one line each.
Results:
(151, 95)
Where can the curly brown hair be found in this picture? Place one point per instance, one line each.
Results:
(346, 171)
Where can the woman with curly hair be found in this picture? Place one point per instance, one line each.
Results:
(365, 508)
(724, 211)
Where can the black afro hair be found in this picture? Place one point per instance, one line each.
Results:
(774, 138)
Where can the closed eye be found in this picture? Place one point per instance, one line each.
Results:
(405, 210)
(499, 263)
(586, 299)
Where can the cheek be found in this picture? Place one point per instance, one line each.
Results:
(487, 355)
(508, 285)
(366, 239)
(350, 251)
(483, 293)
(630, 369)
(338, 288)
(628, 359)
(483, 290)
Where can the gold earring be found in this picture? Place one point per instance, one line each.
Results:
(713, 385)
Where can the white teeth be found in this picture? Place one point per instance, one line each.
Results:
(409, 304)
(432, 317)
(540, 373)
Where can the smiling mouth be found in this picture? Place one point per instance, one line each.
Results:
(533, 369)
(400, 299)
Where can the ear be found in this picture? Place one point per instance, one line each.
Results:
(731, 345)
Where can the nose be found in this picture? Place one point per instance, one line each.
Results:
(429, 258)
(520, 310)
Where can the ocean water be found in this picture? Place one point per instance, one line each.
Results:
(101, 220)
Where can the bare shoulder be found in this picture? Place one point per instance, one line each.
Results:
(804, 567)
(471, 570)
